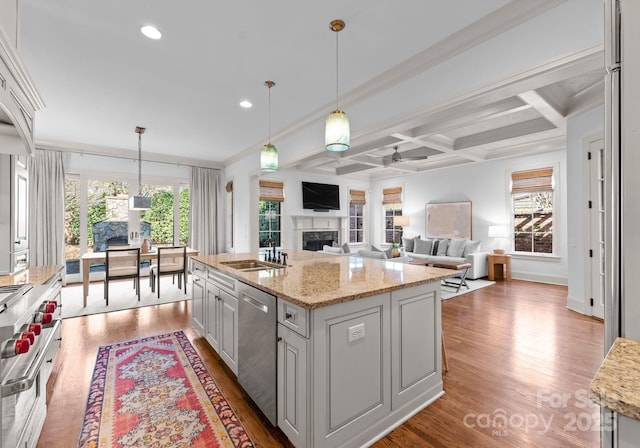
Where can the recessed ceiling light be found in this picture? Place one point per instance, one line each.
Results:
(151, 32)
(246, 104)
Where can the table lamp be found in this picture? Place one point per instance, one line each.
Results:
(499, 233)
(400, 221)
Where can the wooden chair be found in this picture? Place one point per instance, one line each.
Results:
(170, 261)
(122, 262)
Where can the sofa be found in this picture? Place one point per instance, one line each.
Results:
(459, 250)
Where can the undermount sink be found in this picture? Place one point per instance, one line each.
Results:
(250, 265)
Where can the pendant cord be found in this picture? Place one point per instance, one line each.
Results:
(140, 164)
(337, 107)
(269, 115)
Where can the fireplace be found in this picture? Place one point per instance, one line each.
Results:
(315, 240)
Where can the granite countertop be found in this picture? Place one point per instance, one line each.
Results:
(316, 279)
(616, 385)
(35, 276)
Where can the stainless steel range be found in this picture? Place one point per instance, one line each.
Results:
(30, 329)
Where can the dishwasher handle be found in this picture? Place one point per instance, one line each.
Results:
(256, 303)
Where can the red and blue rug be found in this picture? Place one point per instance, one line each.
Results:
(156, 392)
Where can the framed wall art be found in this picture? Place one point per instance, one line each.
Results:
(448, 220)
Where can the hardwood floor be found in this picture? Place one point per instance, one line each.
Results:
(520, 365)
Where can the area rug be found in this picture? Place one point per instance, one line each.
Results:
(156, 392)
(122, 296)
(449, 292)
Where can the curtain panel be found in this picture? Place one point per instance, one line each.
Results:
(203, 210)
(46, 208)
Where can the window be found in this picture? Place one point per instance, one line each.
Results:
(532, 198)
(357, 201)
(229, 215)
(269, 213)
(392, 204)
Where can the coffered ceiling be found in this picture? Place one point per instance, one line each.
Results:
(100, 78)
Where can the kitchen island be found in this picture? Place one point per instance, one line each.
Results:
(354, 343)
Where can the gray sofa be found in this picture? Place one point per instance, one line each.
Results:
(459, 250)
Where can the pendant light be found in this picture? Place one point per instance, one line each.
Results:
(139, 201)
(269, 154)
(336, 134)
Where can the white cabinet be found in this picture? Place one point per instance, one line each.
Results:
(351, 371)
(293, 385)
(215, 311)
(228, 329)
(14, 208)
(198, 287)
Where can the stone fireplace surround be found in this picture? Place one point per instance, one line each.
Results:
(313, 231)
(315, 240)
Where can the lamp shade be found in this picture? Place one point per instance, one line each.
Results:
(269, 158)
(336, 133)
(497, 232)
(400, 221)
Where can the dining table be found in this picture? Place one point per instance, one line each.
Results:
(100, 257)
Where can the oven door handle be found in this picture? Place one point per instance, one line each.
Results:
(16, 385)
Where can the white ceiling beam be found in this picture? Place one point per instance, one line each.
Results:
(430, 143)
(492, 136)
(535, 100)
(587, 98)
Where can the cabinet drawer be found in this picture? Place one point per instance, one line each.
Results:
(294, 317)
(198, 268)
(224, 281)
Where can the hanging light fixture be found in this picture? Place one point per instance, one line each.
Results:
(269, 153)
(336, 133)
(139, 201)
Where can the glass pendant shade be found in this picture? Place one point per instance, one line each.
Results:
(269, 158)
(336, 134)
(139, 202)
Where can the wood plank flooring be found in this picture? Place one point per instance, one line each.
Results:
(520, 366)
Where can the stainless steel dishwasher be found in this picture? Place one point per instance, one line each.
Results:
(257, 348)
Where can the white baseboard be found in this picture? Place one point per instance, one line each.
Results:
(541, 278)
(578, 305)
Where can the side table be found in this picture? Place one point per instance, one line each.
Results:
(499, 259)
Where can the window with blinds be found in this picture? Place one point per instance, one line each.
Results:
(270, 213)
(357, 201)
(392, 205)
(533, 209)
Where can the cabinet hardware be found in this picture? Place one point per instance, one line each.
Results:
(288, 315)
(278, 339)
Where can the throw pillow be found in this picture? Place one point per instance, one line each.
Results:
(471, 247)
(422, 247)
(456, 248)
(409, 243)
(372, 254)
(375, 249)
(346, 249)
(332, 250)
(443, 246)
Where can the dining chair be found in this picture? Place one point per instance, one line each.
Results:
(121, 263)
(170, 260)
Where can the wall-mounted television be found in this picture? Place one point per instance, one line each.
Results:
(320, 197)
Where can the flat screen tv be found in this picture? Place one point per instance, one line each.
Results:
(320, 196)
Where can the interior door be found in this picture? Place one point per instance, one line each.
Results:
(596, 215)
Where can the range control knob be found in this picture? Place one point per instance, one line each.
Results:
(34, 328)
(43, 318)
(15, 347)
(29, 336)
(48, 307)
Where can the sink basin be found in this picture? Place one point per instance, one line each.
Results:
(250, 265)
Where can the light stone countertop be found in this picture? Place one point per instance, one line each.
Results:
(35, 276)
(616, 385)
(316, 279)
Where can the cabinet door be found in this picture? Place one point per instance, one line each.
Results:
(21, 205)
(415, 353)
(228, 320)
(197, 303)
(292, 385)
(212, 305)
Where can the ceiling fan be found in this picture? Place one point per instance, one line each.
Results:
(398, 157)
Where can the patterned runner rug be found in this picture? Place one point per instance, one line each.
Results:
(156, 392)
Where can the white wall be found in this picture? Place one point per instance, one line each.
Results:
(486, 186)
(580, 129)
